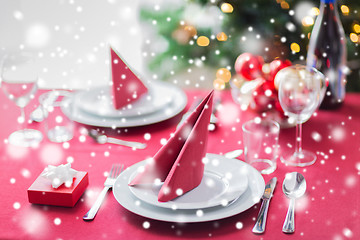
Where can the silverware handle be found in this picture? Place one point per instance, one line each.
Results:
(126, 143)
(289, 224)
(261, 219)
(90, 215)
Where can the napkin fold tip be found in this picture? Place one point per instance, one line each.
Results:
(179, 162)
(127, 87)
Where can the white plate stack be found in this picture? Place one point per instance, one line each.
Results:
(95, 107)
(229, 187)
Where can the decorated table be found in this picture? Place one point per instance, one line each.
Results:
(329, 209)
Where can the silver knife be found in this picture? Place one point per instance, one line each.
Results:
(261, 219)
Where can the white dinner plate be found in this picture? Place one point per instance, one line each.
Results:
(219, 186)
(98, 101)
(251, 196)
(75, 113)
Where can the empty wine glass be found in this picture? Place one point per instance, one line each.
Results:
(301, 91)
(19, 83)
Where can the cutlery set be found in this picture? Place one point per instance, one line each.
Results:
(294, 186)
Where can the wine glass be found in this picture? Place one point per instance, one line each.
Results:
(19, 83)
(301, 91)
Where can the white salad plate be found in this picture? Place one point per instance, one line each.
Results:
(219, 186)
(251, 195)
(98, 101)
(73, 111)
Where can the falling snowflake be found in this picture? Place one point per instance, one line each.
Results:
(163, 141)
(338, 134)
(199, 213)
(268, 150)
(147, 136)
(57, 221)
(16, 205)
(51, 154)
(15, 152)
(25, 173)
(179, 192)
(66, 145)
(34, 223)
(37, 35)
(316, 136)
(228, 113)
(70, 159)
(146, 225)
(239, 225)
(18, 15)
(347, 233)
(350, 181)
(82, 138)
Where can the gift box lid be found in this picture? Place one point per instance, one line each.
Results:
(42, 192)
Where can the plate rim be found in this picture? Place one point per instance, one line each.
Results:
(190, 216)
(101, 121)
(96, 90)
(209, 168)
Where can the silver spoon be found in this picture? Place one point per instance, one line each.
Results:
(101, 138)
(294, 186)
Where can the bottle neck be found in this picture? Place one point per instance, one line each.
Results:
(328, 1)
(329, 7)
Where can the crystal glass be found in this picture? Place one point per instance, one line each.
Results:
(58, 127)
(261, 144)
(19, 83)
(301, 91)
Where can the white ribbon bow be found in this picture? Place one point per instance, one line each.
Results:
(60, 174)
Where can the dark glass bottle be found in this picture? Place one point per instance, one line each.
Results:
(327, 53)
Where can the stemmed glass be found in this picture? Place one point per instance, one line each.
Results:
(19, 83)
(301, 91)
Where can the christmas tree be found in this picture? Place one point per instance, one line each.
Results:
(213, 33)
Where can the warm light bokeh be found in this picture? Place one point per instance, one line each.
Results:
(203, 41)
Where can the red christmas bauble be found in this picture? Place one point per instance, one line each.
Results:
(249, 66)
(276, 66)
(265, 96)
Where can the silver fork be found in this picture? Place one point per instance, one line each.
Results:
(116, 169)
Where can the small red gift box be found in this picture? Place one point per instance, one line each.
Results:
(42, 192)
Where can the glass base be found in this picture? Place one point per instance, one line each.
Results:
(299, 159)
(26, 138)
(264, 166)
(60, 134)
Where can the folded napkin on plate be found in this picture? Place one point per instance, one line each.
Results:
(127, 87)
(179, 162)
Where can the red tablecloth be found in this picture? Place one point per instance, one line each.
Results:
(329, 210)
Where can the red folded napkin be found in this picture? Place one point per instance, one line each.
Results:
(179, 162)
(127, 87)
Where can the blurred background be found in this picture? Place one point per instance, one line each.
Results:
(181, 41)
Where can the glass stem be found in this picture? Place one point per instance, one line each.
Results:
(22, 116)
(298, 143)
